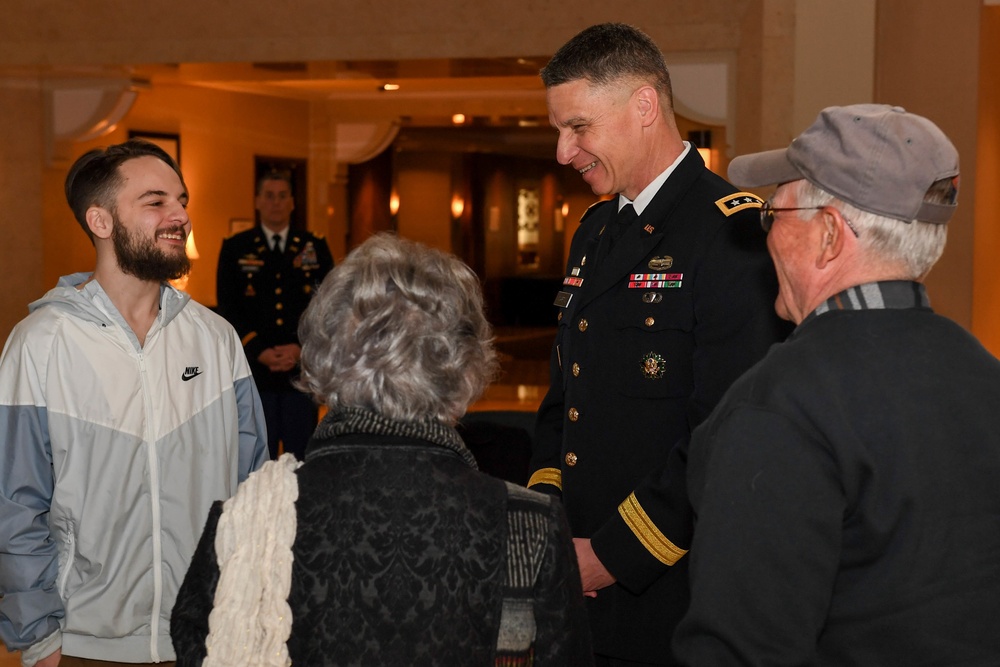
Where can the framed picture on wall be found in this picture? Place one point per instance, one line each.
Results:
(171, 143)
(237, 225)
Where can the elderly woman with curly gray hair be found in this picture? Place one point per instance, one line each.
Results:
(387, 546)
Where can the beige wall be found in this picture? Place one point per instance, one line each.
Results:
(425, 189)
(986, 276)
(834, 56)
(21, 150)
(930, 66)
(57, 32)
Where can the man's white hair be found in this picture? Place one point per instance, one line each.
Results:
(914, 246)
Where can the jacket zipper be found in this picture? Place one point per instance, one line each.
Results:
(154, 493)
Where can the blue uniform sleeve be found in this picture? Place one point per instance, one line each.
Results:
(253, 431)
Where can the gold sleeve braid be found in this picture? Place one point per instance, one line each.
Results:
(249, 337)
(551, 476)
(647, 533)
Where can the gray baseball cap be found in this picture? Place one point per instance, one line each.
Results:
(876, 157)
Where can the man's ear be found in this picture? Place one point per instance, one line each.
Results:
(649, 104)
(832, 241)
(100, 221)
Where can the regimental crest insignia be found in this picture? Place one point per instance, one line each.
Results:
(661, 263)
(739, 201)
(653, 366)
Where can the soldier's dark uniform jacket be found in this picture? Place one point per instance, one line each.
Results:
(263, 294)
(649, 338)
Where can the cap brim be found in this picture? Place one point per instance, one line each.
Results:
(759, 169)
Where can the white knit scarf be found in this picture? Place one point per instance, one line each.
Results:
(251, 620)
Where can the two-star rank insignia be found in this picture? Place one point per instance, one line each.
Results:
(737, 202)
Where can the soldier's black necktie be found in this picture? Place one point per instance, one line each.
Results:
(276, 243)
(625, 217)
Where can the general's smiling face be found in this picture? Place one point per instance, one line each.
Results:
(599, 135)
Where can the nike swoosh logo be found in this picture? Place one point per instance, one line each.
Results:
(187, 376)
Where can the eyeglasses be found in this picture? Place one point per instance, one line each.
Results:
(767, 216)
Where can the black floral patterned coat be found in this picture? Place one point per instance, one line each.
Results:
(405, 554)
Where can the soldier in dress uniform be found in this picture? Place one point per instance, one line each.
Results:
(668, 298)
(266, 276)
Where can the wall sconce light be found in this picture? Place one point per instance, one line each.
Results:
(190, 249)
(702, 140)
(457, 206)
(458, 118)
(562, 210)
(394, 202)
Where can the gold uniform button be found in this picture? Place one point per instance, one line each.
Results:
(570, 459)
(559, 317)
(279, 321)
(583, 325)
(277, 290)
(576, 370)
(574, 414)
(650, 321)
(278, 306)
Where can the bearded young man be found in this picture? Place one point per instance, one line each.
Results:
(126, 408)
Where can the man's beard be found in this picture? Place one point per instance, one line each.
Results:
(138, 256)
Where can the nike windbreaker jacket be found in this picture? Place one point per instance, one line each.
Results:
(110, 455)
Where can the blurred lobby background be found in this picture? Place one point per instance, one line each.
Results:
(429, 119)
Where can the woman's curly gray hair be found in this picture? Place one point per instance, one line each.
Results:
(398, 328)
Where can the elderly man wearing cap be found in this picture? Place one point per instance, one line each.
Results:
(846, 487)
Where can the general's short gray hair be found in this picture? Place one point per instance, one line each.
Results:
(608, 53)
(915, 245)
(398, 328)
